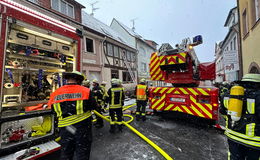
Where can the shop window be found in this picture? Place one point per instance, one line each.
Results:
(114, 74)
(89, 45)
(63, 7)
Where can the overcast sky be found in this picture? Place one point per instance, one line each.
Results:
(169, 21)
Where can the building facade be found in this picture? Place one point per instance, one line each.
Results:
(249, 15)
(227, 52)
(220, 73)
(144, 47)
(107, 54)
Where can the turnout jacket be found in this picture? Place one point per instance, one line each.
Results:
(116, 97)
(246, 131)
(141, 92)
(72, 104)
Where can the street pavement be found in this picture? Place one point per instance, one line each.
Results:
(182, 138)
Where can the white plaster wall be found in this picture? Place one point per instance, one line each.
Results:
(130, 40)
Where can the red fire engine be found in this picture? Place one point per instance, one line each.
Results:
(35, 50)
(181, 68)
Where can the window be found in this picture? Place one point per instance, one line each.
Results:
(63, 7)
(110, 49)
(128, 56)
(143, 67)
(257, 9)
(34, 1)
(127, 77)
(133, 57)
(114, 74)
(116, 51)
(235, 43)
(231, 45)
(89, 45)
(245, 23)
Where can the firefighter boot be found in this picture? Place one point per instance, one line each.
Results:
(112, 129)
(143, 116)
(120, 128)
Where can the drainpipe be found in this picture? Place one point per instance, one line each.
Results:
(101, 57)
(241, 70)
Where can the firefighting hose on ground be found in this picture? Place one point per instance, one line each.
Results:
(126, 123)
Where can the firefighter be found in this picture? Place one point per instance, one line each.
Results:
(105, 95)
(115, 99)
(141, 92)
(241, 109)
(98, 95)
(86, 83)
(73, 104)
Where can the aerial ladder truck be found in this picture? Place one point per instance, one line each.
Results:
(181, 68)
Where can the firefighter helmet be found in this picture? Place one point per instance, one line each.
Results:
(142, 80)
(251, 78)
(104, 82)
(115, 81)
(94, 81)
(86, 82)
(75, 75)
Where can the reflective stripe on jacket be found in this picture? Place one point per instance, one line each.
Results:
(244, 130)
(141, 92)
(75, 94)
(114, 93)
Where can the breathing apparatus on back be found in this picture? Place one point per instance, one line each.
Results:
(237, 93)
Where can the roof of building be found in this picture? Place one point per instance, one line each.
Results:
(232, 29)
(130, 31)
(98, 26)
(229, 15)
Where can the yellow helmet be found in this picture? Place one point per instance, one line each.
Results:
(115, 81)
(75, 75)
(251, 78)
(142, 80)
(86, 82)
(94, 81)
(104, 82)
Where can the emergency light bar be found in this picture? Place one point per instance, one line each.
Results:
(36, 14)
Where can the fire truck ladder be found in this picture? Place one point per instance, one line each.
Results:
(129, 68)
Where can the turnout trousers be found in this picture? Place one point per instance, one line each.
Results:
(116, 113)
(240, 152)
(76, 140)
(140, 110)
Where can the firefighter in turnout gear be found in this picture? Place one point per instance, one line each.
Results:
(72, 104)
(241, 110)
(141, 91)
(86, 83)
(115, 99)
(98, 95)
(105, 95)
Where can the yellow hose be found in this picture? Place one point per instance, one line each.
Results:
(164, 154)
(129, 106)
